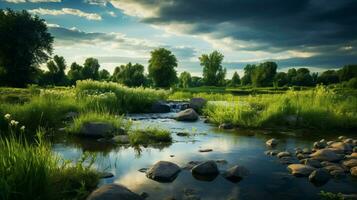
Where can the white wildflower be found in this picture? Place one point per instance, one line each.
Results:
(14, 123)
(22, 128)
(7, 116)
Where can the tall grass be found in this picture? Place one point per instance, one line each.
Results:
(113, 97)
(33, 171)
(318, 108)
(149, 135)
(208, 96)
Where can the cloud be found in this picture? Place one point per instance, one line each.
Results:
(97, 2)
(111, 13)
(308, 31)
(33, 1)
(66, 11)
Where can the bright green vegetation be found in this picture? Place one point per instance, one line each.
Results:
(318, 108)
(113, 97)
(149, 135)
(116, 121)
(33, 171)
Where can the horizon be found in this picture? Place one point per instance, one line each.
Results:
(312, 34)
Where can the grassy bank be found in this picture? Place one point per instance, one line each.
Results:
(318, 108)
(149, 135)
(33, 171)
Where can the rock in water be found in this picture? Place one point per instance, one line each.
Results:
(343, 147)
(300, 169)
(163, 171)
(350, 163)
(226, 126)
(206, 168)
(284, 154)
(121, 139)
(113, 192)
(97, 129)
(311, 162)
(187, 115)
(160, 107)
(197, 103)
(319, 176)
(326, 155)
(236, 173)
(272, 142)
(354, 171)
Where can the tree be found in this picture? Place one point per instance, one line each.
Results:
(248, 71)
(291, 74)
(185, 80)
(24, 44)
(56, 71)
(104, 75)
(348, 72)
(235, 79)
(75, 73)
(130, 75)
(196, 81)
(91, 69)
(302, 78)
(281, 79)
(213, 72)
(264, 74)
(328, 77)
(162, 67)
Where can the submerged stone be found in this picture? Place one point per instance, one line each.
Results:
(163, 171)
(113, 192)
(187, 115)
(272, 142)
(300, 169)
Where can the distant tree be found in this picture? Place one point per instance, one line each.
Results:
(281, 79)
(162, 67)
(291, 74)
(213, 72)
(56, 71)
(348, 72)
(264, 74)
(24, 44)
(104, 75)
(314, 76)
(328, 77)
(91, 69)
(196, 81)
(248, 71)
(185, 80)
(130, 75)
(75, 73)
(302, 78)
(235, 80)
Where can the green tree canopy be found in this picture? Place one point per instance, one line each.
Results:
(104, 75)
(248, 71)
(281, 79)
(91, 69)
(328, 77)
(24, 44)
(213, 72)
(235, 79)
(264, 74)
(185, 80)
(348, 72)
(130, 75)
(56, 71)
(162, 67)
(75, 73)
(302, 78)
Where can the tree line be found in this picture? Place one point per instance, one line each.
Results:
(26, 44)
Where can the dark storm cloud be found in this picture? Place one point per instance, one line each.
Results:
(273, 25)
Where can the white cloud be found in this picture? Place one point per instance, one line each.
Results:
(111, 13)
(97, 2)
(33, 1)
(66, 11)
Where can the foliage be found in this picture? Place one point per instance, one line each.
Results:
(25, 43)
(104, 74)
(185, 80)
(235, 80)
(33, 171)
(248, 71)
(331, 196)
(75, 73)
(348, 72)
(328, 77)
(129, 75)
(213, 72)
(263, 74)
(91, 69)
(281, 79)
(149, 136)
(56, 72)
(162, 67)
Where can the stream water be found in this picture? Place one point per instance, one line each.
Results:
(268, 178)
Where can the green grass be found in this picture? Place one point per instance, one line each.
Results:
(116, 98)
(116, 121)
(319, 108)
(149, 135)
(33, 171)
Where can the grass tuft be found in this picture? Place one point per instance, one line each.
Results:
(149, 135)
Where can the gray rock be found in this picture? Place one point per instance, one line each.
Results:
(334, 167)
(300, 169)
(205, 150)
(319, 176)
(355, 149)
(206, 168)
(97, 129)
(312, 163)
(287, 160)
(353, 171)
(226, 126)
(113, 192)
(272, 142)
(182, 134)
(105, 175)
(144, 195)
(236, 173)
(272, 152)
(284, 154)
(197, 103)
(160, 107)
(121, 139)
(298, 151)
(320, 145)
(350, 163)
(348, 141)
(330, 142)
(163, 171)
(326, 155)
(187, 115)
(337, 173)
(341, 146)
(301, 156)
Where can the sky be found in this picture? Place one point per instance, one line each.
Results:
(317, 34)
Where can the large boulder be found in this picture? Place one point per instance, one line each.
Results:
(187, 115)
(319, 176)
(197, 103)
(354, 171)
(163, 171)
(113, 192)
(300, 169)
(340, 146)
(272, 142)
(97, 129)
(206, 168)
(236, 173)
(160, 107)
(326, 155)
